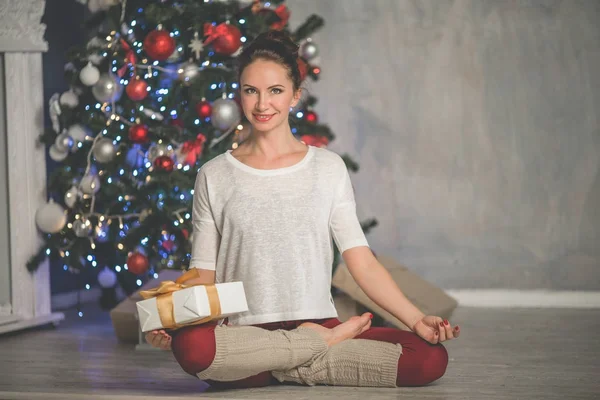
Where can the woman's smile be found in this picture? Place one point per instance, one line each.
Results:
(262, 117)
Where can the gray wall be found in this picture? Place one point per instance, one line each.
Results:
(476, 124)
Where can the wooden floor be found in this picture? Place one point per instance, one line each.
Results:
(502, 354)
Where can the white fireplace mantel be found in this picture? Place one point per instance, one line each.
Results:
(21, 45)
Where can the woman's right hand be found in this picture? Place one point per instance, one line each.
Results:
(159, 339)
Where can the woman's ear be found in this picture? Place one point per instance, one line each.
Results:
(296, 98)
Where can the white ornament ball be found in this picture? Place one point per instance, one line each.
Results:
(225, 114)
(107, 278)
(89, 75)
(187, 71)
(69, 99)
(71, 196)
(107, 89)
(50, 218)
(78, 133)
(57, 154)
(90, 184)
(309, 51)
(82, 227)
(63, 142)
(104, 150)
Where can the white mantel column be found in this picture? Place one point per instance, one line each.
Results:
(21, 44)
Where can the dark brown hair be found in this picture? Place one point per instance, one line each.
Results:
(274, 46)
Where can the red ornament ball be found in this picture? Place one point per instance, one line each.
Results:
(138, 133)
(228, 41)
(137, 89)
(204, 109)
(137, 263)
(311, 117)
(164, 163)
(159, 45)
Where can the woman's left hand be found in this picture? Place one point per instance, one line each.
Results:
(435, 329)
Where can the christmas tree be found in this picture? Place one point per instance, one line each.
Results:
(153, 96)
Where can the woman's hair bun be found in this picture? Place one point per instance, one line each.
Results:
(274, 37)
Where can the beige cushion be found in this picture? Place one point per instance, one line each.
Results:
(428, 298)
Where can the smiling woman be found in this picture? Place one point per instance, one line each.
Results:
(266, 214)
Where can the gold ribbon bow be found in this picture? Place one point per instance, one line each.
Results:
(164, 300)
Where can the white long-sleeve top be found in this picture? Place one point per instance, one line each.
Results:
(274, 231)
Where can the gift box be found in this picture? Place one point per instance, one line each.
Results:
(124, 316)
(173, 304)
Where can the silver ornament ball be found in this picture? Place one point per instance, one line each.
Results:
(159, 149)
(309, 50)
(104, 150)
(78, 133)
(56, 154)
(71, 197)
(90, 184)
(82, 227)
(187, 71)
(225, 114)
(69, 99)
(89, 75)
(63, 142)
(50, 218)
(107, 89)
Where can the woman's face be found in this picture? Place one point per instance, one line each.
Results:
(267, 94)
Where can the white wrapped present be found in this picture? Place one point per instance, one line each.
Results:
(173, 305)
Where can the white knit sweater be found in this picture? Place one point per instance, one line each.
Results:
(273, 230)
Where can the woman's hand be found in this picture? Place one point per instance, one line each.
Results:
(159, 339)
(435, 330)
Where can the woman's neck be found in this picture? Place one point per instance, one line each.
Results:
(273, 144)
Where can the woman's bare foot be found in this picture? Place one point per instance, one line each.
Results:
(347, 330)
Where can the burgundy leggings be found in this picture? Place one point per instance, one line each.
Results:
(420, 363)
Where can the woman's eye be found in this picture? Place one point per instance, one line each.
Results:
(250, 91)
(277, 91)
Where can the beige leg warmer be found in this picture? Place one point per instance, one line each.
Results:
(244, 351)
(355, 362)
